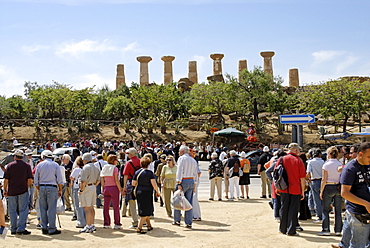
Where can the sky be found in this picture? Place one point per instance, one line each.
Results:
(80, 42)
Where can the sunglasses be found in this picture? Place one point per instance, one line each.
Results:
(169, 159)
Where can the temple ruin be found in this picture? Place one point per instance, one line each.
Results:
(186, 83)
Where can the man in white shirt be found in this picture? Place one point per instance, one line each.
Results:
(223, 153)
(314, 173)
(15, 141)
(186, 177)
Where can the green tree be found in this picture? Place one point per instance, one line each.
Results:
(212, 98)
(119, 108)
(256, 89)
(336, 98)
(151, 100)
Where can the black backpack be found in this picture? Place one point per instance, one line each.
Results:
(279, 176)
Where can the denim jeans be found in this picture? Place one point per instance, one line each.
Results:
(277, 205)
(31, 190)
(98, 192)
(315, 190)
(332, 193)
(80, 212)
(48, 207)
(15, 203)
(355, 233)
(188, 189)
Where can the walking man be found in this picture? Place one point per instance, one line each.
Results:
(89, 179)
(355, 180)
(18, 178)
(291, 196)
(49, 182)
(187, 178)
(216, 173)
(314, 173)
(128, 173)
(67, 189)
(261, 170)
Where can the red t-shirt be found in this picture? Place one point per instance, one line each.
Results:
(129, 170)
(294, 167)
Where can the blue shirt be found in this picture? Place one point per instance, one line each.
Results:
(48, 172)
(353, 175)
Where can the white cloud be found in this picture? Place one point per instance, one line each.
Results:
(76, 49)
(309, 77)
(11, 82)
(34, 48)
(86, 46)
(326, 55)
(334, 62)
(130, 47)
(92, 79)
(347, 62)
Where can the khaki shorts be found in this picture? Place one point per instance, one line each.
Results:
(88, 196)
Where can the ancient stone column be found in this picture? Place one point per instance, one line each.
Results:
(242, 66)
(267, 61)
(144, 71)
(293, 78)
(120, 77)
(193, 74)
(168, 76)
(217, 66)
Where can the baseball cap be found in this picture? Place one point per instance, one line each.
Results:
(294, 146)
(266, 149)
(19, 153)
(47, 154)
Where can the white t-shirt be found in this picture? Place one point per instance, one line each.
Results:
(75, 174)
(151, 167)
(63, 171)
(331, 166)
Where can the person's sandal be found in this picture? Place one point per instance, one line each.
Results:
(141, 231)
(149, 228)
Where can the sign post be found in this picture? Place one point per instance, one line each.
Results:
(297, 134)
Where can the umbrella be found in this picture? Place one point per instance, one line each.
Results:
(229, 132)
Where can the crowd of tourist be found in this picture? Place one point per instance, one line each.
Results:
(128, 176)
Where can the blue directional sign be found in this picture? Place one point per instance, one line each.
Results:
(294, 119)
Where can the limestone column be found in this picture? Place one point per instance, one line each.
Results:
(242, 66)
(120, 77)
(144, 71)
(293, 78)
(193, 74)
(267, 61)
(168, 76)
(217, 66)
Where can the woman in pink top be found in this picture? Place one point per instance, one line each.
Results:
(111, 189)
(330, 191)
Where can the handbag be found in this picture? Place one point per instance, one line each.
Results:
(240, 172)
(60, 206)
(137, 180)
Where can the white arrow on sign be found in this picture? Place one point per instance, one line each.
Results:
(289, 119)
